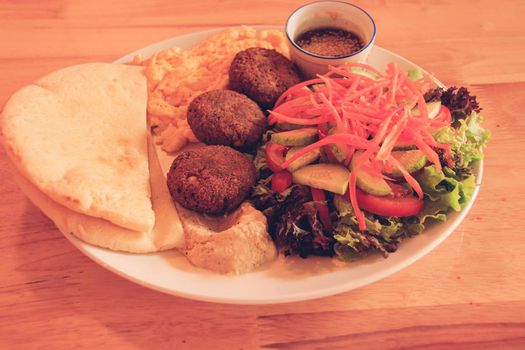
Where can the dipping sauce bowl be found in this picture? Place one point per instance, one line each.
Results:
(328, 14)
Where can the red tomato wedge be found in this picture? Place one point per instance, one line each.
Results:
(320, 203)
(275, 156)
(281, 181)
(444, 115)
(400, 203)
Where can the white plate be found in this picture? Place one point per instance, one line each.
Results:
(285, 280)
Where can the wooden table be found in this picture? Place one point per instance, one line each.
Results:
(469, 293)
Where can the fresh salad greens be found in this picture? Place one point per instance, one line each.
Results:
(371, 159)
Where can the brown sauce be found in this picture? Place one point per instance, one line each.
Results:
(330, 42)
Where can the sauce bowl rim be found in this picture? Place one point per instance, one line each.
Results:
(329, 57)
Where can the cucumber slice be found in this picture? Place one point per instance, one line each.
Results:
(329, 177)
(364, 72)
(414, 74)
(404, 146)
(283, 126)
(339, 152)
(412, 161)
(306, 159)
(298, 137)
(367, 182)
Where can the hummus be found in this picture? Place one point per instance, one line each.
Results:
(235, 243)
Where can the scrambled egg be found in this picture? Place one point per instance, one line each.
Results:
(176, 76)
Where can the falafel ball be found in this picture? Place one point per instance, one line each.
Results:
(225, 117)
(211, 179)
(262, 75)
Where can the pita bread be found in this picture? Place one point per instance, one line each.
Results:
(79, 135)
(166, 234)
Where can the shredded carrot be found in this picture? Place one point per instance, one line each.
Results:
(371, 115)
(391, 138)
(353, 200)
(314, 102)
(300, 121)
(393, 87)
(429, 153)
(354, 85)
(345, 139)
(298, 103)
(364, 91)
(370, 112)
(363, 118)
(294, 88)
(401, 79)
(380, 134)
(429, 139)
(335, 115)
(349, 74)
(348, 66)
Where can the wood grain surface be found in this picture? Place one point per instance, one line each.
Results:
(469, 293)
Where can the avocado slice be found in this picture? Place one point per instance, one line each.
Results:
(298, 137)
(306, 159)
(368, 182)
(329, 177)
(433, 109)
(412, 161)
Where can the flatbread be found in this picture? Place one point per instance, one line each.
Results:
(79, 135)
(166, 234)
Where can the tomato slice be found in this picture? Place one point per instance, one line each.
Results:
(320, 203)
(275, 156)
(399, 203)
(281, 181)
(444, 115)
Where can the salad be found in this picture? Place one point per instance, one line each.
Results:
(357, 160)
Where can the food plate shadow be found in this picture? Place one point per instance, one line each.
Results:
(61, 283)
(294, 267)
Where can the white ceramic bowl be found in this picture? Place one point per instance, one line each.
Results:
(323, 14)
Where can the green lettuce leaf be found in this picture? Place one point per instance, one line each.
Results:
(383, 234)
(445, 191)
(261, 166)
(442, 191)
(351, 244)
(466, 141)
(383, 226)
